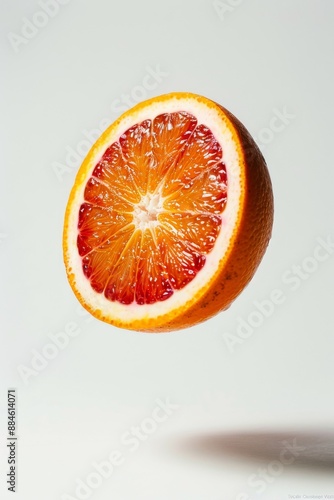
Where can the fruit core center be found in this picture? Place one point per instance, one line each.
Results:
(145, 213)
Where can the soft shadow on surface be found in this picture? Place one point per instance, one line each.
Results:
(302, 449)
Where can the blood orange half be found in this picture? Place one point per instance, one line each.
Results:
(169, 216)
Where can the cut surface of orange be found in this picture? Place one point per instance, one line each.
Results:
(169, 216)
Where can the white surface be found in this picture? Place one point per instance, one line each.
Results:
(258, 59)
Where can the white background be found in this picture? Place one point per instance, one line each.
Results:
(257, 58)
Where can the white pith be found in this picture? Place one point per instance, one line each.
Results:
(146, 211)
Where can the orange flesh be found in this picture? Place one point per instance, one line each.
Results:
(152, 209)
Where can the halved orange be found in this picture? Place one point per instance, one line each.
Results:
(169, 216)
